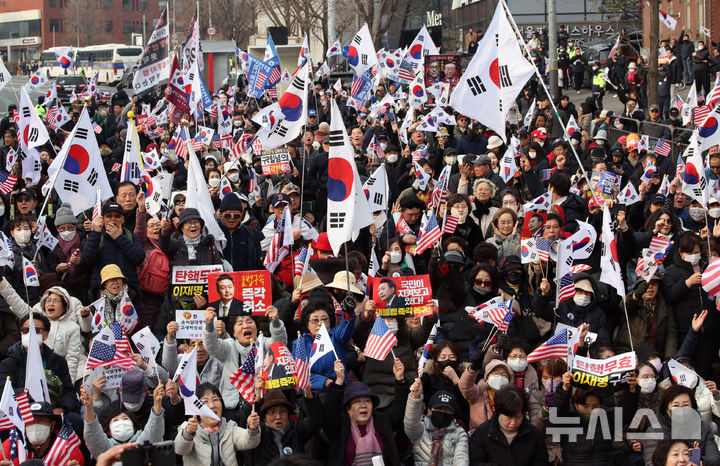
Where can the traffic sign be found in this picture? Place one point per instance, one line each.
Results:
(211, 31)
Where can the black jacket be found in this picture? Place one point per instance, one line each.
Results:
(687, 301)
(488, 446)
(575, 208)
(243, 249)
(675, 71)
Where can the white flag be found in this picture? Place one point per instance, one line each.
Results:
(132, 157)
(35, 381)
(78, 169)
(572, 126)
(51, 94)
(31, 167)
(407, 123)
(321, 346)
(494, 77)
(187, 382)
(428, 123)
(65, 56)
(583, 240)
(36, 80)
(293, 109)
(361, 51)
(154, 66)
(414, 59)
(667, 20)
(528, 116)
(32, 130)
(147, 344)
(629, 195)
(376, 189)
(30, 274)
(7, 258)
(708, 131)
(191, 50)
(5, 76)
(10, 158)
(335, 49)
(693, 178)
(508, 167)
(348, 210)
(9, 406)
(690, 103)
(609, 265)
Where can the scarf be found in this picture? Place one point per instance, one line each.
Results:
(436, 450)
(214, 433)
(481, 208)
(191, 246)
(67, 248)
(509, 436)
(366, 446)
(113, 311)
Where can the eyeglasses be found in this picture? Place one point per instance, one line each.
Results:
(232, 216)
(26, 330)
(179, 201)
(318, 321)
(53, 301)
(483, 282)
(113, 216)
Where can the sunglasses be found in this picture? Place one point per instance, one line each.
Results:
(232, 216)
(483, 282)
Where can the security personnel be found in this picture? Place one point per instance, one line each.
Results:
(598, 85)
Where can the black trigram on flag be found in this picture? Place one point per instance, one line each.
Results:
(370, 181)
(26, 112)
(476, 85)
(298, 83)
(92, 179)
(363, 58)
(337, 219)
(81, 133)
(281, 130)
(505, 76)
(128, 145)
(379, 199)
(73, 186)
(357, 39)
(198, 404)
(33, 134)
(336, 139)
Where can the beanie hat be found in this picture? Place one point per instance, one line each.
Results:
(64, 215)
(231, 202)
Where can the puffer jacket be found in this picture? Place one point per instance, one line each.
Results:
(686, 301)
(478, 394)
(232, 354)
(196, 450)
(489, 446)
(419, 430)
(434, 381)
(98, 442)
(177, 251)
(64, 335)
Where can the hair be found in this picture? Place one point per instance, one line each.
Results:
(412, 202)
(502, 211)
(510, 401)
(113, 412)
(598, 347)
(127, 183)
(459, 240)
(359, 257)
(484, 252)
(439, 347)
(37, 316)
(317, 305)
(560, 182)
(208, 387)
(580, 396)
(389, 282)
(659, 456)
(223, 276)
(554, 216)
(18, 221)
(511, 192)
(655, 216)
(515, 343)
(553, 367)
(457, 199)
(688, 241)
(672, 392)
(480, 181)
(492, 271)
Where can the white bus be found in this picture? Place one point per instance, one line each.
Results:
(109, 60)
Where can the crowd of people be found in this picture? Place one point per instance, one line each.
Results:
(475, 398)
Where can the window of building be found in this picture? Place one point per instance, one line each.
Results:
(55, 25)
(127, 5)
(108, 27)
(162, 4)
(107, 4)
(143, 5)
(53, 3)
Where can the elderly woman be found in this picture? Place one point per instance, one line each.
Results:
(213, 441)
(483, 209)
(506, 237)
(459, 205)
(497, 375)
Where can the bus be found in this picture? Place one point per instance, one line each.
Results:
(109, 61)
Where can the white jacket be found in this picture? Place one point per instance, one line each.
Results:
(196, 450)
(64, 335)
(419, 429)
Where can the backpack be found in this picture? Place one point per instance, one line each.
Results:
(155, 274)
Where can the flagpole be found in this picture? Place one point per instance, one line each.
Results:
(547, 92)
(302, 175)
(707, 225)
(627, 320)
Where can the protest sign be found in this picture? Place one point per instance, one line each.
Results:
(606, 184)
(591, 374)
(532, 224)
(278, 368)
(190, 324)
(188, 281)
(275, 161)
(410, 295)
(113, 375)
(251, 287)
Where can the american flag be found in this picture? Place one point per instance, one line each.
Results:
(546, 174)
(439, 193)
(272, 92)
(418, 154)
(402, 226)
(50, 116)
(181, 148)
(555, 347)
(580, 268)
(275, 75)
(701, 113)
(216, 141)
(678, 104)
(121, 340)
(543, 247)
(406, 71)
(662, 148)
(16, 117)
(197, 141)
(104, 354)
(380, 342)
(24, 410)
(302, 366)
(214, 110)
(260, 81)
(567, 288)
(253, 183)
(244, 377)
(17, 447)
(226, 141)
(659, 244)
(65, 443)
(7, 182)
(500, 314)
(451, 223)
(429, 234)
(281, 241)
(97, 208)
(97, 128)
(303, 259)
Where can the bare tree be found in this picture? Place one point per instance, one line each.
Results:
(83, 17)
(652, 78)
(378, 14)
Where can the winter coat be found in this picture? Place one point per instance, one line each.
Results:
(506, 245)
(489, 446)
(196, 450)
(177, 251)
(709, 450)
(574, 208)
(98, 442)
(125, 251)
(64, 335)
(478, 394)
(419, 430)
(231, 353)
(242, 250)
(459, 327)
(434, 381)
(686, 301)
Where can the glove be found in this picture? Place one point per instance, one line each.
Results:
(348, 305)
(476, 361)
(641, 289)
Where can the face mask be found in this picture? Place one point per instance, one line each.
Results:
(481, 291)
(392, 325)
(551, 385)
(234, 177)
(237, 123)
(383, 146)
(517, 365)
(657, 364)
(532, 154)
(447, 363)
(26, 340)
(514, 278)
(451, 160)
(214, 182)
(134, 407)
(392, 158)
(441, 420)
(574, 142)
(700, 47)
(697, 213)
(37, 433)
(67, 235)
(693, 259)
(22, 237)
(497, 381)
(461, 217)
(581, 300)
(542, 143)
(647, 385)
(121, 430)
(395, 257)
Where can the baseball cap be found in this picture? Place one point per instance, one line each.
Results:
(442, 399)
(539, 133)
(280, 198)
(312, 112)
(112, 207)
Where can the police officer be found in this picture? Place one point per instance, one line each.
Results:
(598, 85)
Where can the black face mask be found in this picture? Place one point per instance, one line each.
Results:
(441, 420)
(447, 363)
(514, 278)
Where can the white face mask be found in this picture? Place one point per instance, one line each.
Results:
(37, 433)
(67, 235)
(647, 385)
(693, 259)
(22, 237)
(697, 213)
(574, 142)
(234, 177)
(392, 158)
(714, 212)
(121, 430)
(392, 325)
(656, 363)
(237, 123)
(461, 217)
(497, 381)
(532, 154)
(26, 340)
(518, 365)
(214, 182)
(395, 257)
(134, 407)
(700, 47)
(581, 299)
(451, 160)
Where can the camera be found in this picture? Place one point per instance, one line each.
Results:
(155, 454)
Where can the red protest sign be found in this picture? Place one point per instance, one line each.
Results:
(278, 368)
(410, 295)
(251, 287)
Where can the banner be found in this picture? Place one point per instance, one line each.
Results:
(275, 161)
(252, 288)
(592, 374)
(188, 281)
(113, 375)
(154, 66)
(278, 368)
(605, 184)
(412, 296)
(190, 324)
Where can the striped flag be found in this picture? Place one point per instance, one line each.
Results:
(104, 353)
(678, 104)
(181, 148)
(16, 117)
(380, 342)
(428, 235)
(662, 148)
(281, 242)
(65, 443)
(711, 278)
(426, 349)
(300, 260)
(18, 454)
(555, 347)
(253, 183)
(659, 244)
(121, 340)
(680, 167)
(7, 182)
(543, 248)
(244, 377)
(451, 223)
(97, 209)
(439, 193)
(567, 288)
(580, 268)
(496, 312)
(302, 367)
